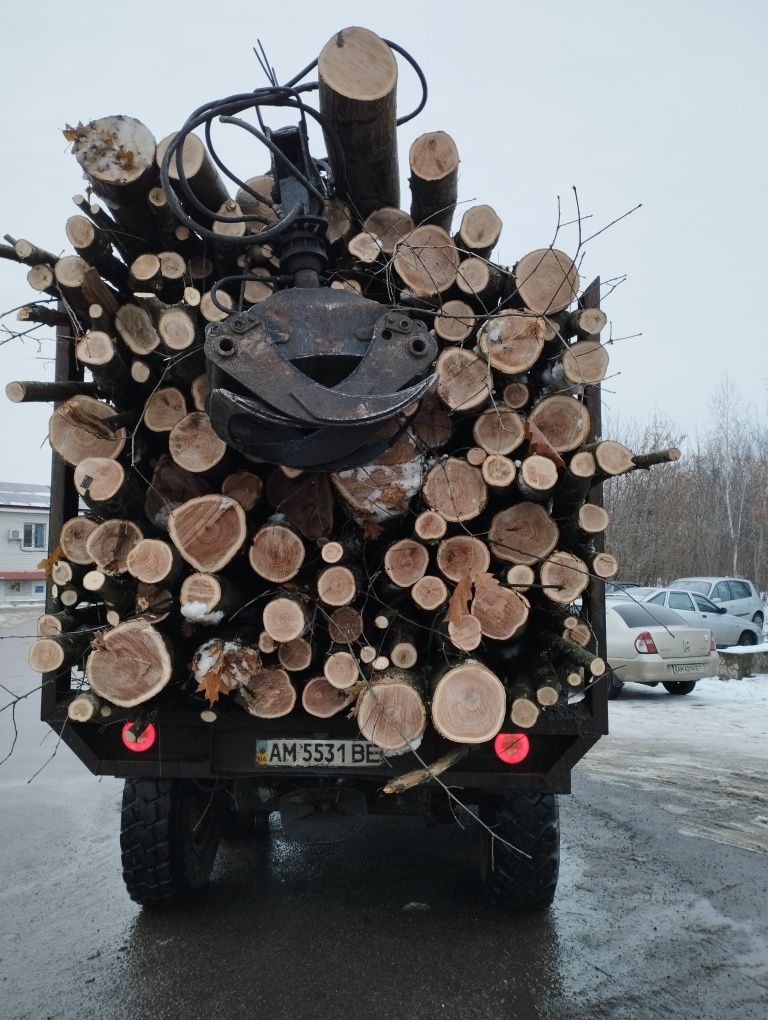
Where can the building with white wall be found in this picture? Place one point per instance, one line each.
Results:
(23, 542)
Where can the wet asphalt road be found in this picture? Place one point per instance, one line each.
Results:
(648, 923)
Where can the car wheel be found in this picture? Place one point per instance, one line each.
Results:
(680, 687)
(520, 869)
(747, 638)
(615, 687)
(758, 619)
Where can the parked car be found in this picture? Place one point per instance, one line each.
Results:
(636, 593)
(616, 587)
(652, 644)
(736, 594)
(699, 611)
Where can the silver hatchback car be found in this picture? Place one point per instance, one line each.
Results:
(735, 594)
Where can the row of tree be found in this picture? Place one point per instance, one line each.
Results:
(706, 514)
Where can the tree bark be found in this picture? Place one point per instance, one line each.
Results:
(384, 488)
(358, 76)
(307, 501)
(107, 488)
(33, 392)
(170, 487)
(479, 231)
(434, 163)
(99, 353)
(49, 654)
(199, 171)
(95, 246)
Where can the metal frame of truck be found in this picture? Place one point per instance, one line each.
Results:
(187, 748)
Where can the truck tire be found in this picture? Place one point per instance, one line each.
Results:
(680, 686)
(169, 836)
(529, 822)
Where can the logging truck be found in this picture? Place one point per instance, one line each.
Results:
(326, 521)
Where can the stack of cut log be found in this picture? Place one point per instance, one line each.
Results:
(436, 585)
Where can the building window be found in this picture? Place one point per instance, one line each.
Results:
(39, 589)
(34, 537)
(14, 587)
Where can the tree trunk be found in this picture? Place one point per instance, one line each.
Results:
(502, 612)
(244, 487)
(480, 282)
(129, 664)
(384, 488)
(99, 353)
(358, 76)
(32, 392)
(154, 561)
(269, 694)
(463, 556)
(336, 586)
(345, 625)
(455, 490)
(170, 487)
(208, 598)
(107, 488)
(430, 526)
(164, 409)
(563, 421)
(49, 654)
(499, 431)
(434, 163)
(524, 533)
(537, 477)
(429, 593)
(513, 340)
(323, 700)
(194, 445)
(285, 618)
(208, 531)
(563, 577)
(464, 379)
(77, 430)
(276, 553)
(391, 711)
(469, 703)
(136, 329)
(307, 501)
(405, 562)
(426, 260)
(86, 706)
(498, 472)
(111, 543)
(94, 246)
(341, 670)
(479, 231)
(546, 281)
(199, 172)
(455, 322)
(295, 656)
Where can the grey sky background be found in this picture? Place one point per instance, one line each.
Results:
(659, 103)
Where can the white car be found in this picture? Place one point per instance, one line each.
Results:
(699, 611)
(652, 644)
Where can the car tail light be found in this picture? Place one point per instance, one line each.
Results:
(139, 743)
(712, 645)
(644, 644)
(511, 748)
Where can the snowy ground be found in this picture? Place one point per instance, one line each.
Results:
(707, 750)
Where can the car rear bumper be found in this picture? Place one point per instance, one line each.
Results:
(648, 669)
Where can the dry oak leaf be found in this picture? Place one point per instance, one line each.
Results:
(211, 685)
(458, 604)
(48, 562)
(538, 443)
(372, 530)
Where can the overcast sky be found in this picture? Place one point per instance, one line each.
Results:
(662, 103)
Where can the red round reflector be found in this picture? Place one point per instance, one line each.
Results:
(143, 742)
(511, 748)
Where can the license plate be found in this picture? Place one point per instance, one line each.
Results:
(317, 753)
(688, 667)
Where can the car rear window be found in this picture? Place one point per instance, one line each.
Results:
(693, 585)
(644, 615)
